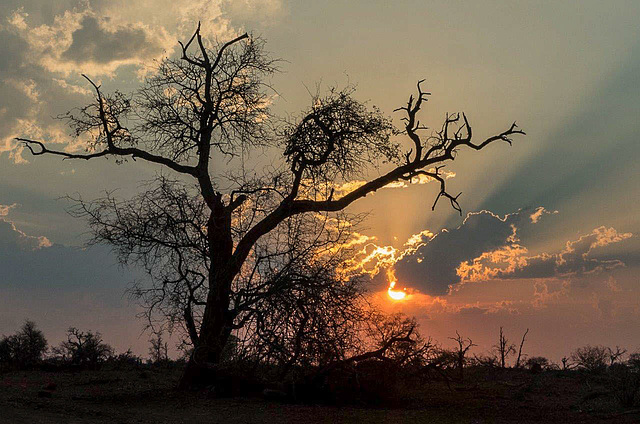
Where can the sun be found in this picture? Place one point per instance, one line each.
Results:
(396, 294)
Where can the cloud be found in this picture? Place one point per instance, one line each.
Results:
(28, 261)
(577, 258)
(431, 265)
(535, 217)
(347, 187)
(13, 239)
(98, 41)
(43, 50)
(487, 246)
(4, 209)
(79, 39)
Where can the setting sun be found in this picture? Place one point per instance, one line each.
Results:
(396, 294)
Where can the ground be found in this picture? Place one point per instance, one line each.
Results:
(147, 395)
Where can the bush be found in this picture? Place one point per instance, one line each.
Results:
(634, 362)
(625, 382)
(125, 360)
(25, 348)
(537, 363)
(591, 358)
(84, 348)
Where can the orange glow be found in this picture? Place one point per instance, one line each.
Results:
(396, 294)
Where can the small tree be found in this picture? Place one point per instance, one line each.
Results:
(591, 358)
(461, 351)
(159, 349)
(537, 363)
(504, 349)
(84, 348)
(25, 348)
(616, 355)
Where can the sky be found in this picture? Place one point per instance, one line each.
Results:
(548, 239)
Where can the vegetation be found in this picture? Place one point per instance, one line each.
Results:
(83, 348)
(24, 349)
(408, 364)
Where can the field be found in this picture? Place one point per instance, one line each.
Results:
(147, 395)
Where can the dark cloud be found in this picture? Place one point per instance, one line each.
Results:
(33, 263)
(95, 42)
(432, 267)
(577, 258)
(487, 246)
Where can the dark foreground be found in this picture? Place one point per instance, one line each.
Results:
(147, 396)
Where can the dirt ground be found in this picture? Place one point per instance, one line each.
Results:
(148, 396)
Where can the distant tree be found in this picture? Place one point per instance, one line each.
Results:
(461, 351)
(25, 348)
(634, 361)
(159, 349)
(591, 358)
(504, 349)
(537, 363)
(127, 358)
(213, 239)
(520, 357)
(84, 348)
(616, 355)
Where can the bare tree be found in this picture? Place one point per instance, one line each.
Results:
(615, 355)
(524, 336)
(209, 238)
(591, 358)
(159, 349)
(504, 349)
(463, 347)
(83, 348)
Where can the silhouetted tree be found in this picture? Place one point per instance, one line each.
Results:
(504, 349)
(83, 348)
(25, 348)
(567, 364)
(591, 358)
(461, 351)
(616, 355)
(159, 349)
(210, 238)
(537, 363)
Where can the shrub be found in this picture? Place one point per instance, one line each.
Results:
(537, 363)
(634, 361)
(126, 359)
(591, 358)
(625, 382)
(25, 348)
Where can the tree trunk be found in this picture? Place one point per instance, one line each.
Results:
(217, 320)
